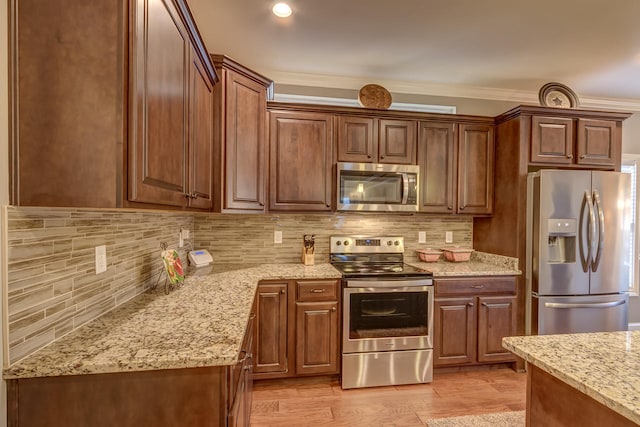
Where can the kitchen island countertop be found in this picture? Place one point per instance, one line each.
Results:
(604, 366)
(201, 323)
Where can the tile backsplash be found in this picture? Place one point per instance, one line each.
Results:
(52, 287)
(233, 238)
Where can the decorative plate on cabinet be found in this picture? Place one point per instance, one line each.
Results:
(557, 95)
(374, 96)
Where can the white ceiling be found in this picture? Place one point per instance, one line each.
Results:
(495, 49)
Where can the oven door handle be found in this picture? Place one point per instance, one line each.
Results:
(388, 283)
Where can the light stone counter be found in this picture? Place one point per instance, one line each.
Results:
(480, 264)
(199, 324)
(605, 365)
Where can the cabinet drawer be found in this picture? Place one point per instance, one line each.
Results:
(317, 290)
(475, 286)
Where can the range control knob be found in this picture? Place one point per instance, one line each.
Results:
(346, 243)
(397, 243)
(338, 243)
(389, 243)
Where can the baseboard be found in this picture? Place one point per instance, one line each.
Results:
(634, 326)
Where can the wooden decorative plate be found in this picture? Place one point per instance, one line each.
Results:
(557, 95)
(374, 96)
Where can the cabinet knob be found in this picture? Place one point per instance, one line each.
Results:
(450, 207)
(187, 195)
(333, 309)
(282, 291)
(569, 156)
(461, 207)
(470, 304)
(381, 157)
(194, 195)
(584, 156)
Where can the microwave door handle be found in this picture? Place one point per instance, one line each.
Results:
(405, 188)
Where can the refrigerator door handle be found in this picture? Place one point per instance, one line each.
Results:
(584, 305)
(586, 202)
(598, 207)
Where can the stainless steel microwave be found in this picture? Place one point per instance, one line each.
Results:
(377, 187)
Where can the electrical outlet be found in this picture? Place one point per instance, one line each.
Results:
(277, 236)
(101, 259)
(448, 237)
(185, 233)
(422, 237)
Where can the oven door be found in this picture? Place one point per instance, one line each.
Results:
(387, 315)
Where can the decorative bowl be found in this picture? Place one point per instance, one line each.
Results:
(457, 254)
(428, 254)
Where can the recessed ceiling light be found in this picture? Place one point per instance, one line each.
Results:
(282, 10)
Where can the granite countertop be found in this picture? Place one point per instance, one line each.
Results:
(202, 323)
(480, 264)
(602, 365)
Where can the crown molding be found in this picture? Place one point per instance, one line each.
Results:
(438, 89)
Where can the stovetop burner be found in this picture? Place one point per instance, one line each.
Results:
(359, 269)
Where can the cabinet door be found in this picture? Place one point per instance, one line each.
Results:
(244, 153)
(455, 333)
(238, 416)
(496, 319)
(158, 146)
(300, 166)
(317, 337)
(271, 328)
(200, 136)
(397, 142)
(598, 143)
(475, 169)
(438, 167)
(552, 140)
(357, 139)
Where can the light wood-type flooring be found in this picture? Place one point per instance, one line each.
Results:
(321, 401)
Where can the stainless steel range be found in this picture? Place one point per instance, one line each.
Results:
(387, 323)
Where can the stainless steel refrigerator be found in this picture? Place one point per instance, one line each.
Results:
(576, 277)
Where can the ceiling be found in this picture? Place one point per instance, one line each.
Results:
(493, 49)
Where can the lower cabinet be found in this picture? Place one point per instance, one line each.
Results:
(241, 381)
(297, 328)
(471, 316)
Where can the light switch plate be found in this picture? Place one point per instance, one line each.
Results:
(448, 237)
(101, 259)
(422, 237)
(277, 236)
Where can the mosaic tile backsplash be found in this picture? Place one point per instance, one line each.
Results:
(52, 285)
(249, 238)
(53, 288)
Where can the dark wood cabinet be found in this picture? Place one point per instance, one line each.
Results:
(126, 117)
(241, 380)
(471, 316)
(301, 160)
(271, 328)
(456, 168)
(373, 140)
(307, 328)
(571, 141)
(240, 113)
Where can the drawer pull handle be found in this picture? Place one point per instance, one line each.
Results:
(477, 286)
(318, 291)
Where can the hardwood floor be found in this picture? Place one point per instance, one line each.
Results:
(321, 401)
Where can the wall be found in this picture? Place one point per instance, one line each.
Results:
(52, 287)
(249, 238)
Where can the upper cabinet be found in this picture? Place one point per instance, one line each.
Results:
(574, 141)
(373, 140)
(456, 167)
(240, 140)
(126, 120)
(300, 161)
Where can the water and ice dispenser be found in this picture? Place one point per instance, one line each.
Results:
(561, 246)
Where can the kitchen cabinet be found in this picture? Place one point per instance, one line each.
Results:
(471, 316)
(301, 161)
(571, 141)
(240, 114)
(205, 396)
(373, 140)
(303, 337)
(504, 233)
(456, 167)
(126, 119)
